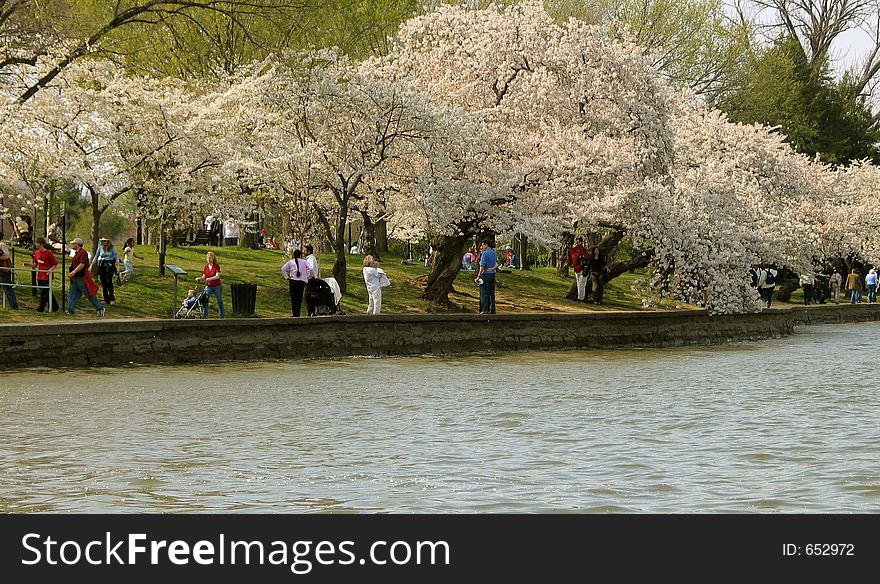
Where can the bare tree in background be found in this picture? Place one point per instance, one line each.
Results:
(39, 39)
(818, 23)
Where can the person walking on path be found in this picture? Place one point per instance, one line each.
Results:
(6, 276)
(106, 259)
(45, 262)
(296, 272)
(486, 277)
(580, 259)
(854, 286)
(375, 279)
(807, 282)
(834, 283)
(597, 274)
(312, 261)
(871, 285)
(213, 286)
(79, 272)
(767, 284)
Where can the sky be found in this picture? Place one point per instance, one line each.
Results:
(850, 49)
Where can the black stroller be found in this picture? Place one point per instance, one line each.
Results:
(322, 297)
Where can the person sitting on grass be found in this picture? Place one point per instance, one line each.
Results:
(468, 260)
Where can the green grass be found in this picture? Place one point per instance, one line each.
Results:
(148, 295)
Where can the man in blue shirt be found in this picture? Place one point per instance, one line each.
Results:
(486, 277)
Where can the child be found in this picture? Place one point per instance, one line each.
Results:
(190, 299)
(128, 256)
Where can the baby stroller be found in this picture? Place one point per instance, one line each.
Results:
(322, 297)
(192, 307)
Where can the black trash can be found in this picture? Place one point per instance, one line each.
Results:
(244, 299)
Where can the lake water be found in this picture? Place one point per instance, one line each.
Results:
(787, 425)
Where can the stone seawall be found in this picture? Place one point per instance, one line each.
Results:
(122, 342)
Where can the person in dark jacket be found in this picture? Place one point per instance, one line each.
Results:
(597, 274)
(579, 260)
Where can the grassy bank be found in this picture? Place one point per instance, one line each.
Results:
(148, 295)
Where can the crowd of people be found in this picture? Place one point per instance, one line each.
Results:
(471, 259)
(302, 271)
(105, 262)
(814, 288)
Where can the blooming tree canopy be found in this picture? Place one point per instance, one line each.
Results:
(577, 121)
(318, 132)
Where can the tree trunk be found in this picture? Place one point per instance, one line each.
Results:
(785, 289)
(249, 237)
(614, 270)
(340, 266)
(553, 257)
(382, 236)
(446, 265)
(162, 245)
(607, 244)
(286, 223)
(96, 217)
(839, 264)
(369, 237)
(618, 268)
(565, 254)
(47, 206)
(521, 249)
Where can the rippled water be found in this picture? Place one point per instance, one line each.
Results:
(785, 425)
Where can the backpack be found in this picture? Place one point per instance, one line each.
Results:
(770, 278)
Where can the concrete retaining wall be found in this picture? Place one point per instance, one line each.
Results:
(122, 342)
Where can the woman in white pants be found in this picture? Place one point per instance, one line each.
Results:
(375, 278)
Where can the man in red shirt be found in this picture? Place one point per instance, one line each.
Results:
(44, 261)
(579, 258)
(78, 267)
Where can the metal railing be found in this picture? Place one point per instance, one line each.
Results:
(16, 284)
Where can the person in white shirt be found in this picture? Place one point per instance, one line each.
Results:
(296, 272)
(375, 279)
(807, 281)
(312, 261)
(767, 284)
(230, 232)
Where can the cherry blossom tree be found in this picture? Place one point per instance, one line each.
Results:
(113, 134)
(847, 223)
(577, 118)
(313, 128)
(736, 198)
